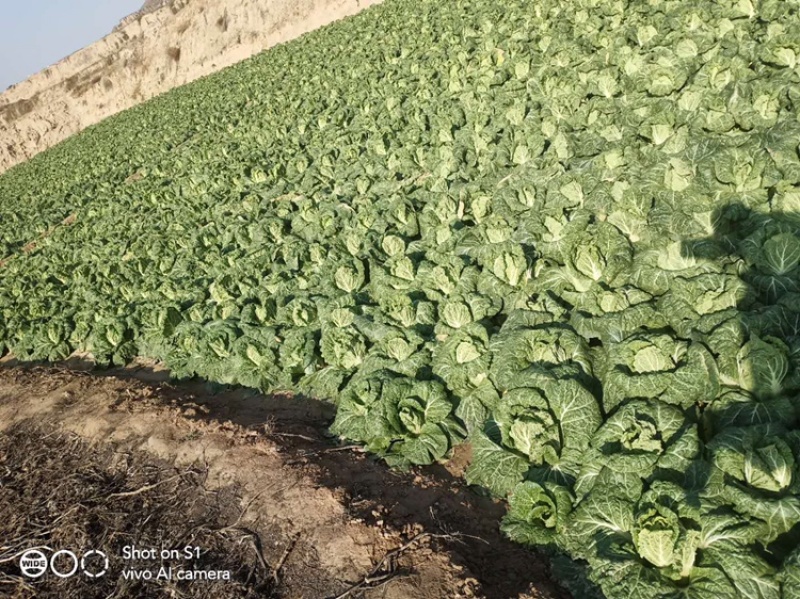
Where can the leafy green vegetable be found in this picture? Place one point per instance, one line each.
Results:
(406, 421)
(537, 513)
(568, 234)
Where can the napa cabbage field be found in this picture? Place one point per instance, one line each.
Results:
(566, 233)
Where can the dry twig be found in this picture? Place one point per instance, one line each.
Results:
(144, 489)
(378, 576)
(277, 572)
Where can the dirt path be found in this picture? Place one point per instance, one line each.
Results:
(326, 516)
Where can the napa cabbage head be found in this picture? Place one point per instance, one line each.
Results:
(401, 419)
(643, 435)
(756, 472)
(524, 344)
(539, 430)
(537, 513)
(659, 367)
(757, 457)
(462, 358)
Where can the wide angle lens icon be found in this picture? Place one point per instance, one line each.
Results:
(33, 563)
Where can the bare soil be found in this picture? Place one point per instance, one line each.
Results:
(59, 492)
(103, 460)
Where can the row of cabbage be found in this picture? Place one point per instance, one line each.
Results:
(568, 235)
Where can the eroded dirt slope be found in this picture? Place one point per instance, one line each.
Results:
(148, 54)
(327, 516)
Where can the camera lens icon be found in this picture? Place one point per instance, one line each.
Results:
(71, 558)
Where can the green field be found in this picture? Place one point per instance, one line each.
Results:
(565, 232)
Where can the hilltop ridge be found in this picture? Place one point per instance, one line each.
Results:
(165, 44)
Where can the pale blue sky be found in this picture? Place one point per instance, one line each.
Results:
(37, 33)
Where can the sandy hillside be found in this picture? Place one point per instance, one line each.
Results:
(149, 53)
(329, 521)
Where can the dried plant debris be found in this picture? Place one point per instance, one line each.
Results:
(59, 494)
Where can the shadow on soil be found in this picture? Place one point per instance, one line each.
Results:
(433, 497)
